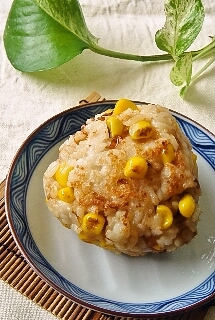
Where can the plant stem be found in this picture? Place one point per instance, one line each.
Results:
(205, 51)
(128, 56)
(203, 68)
(151, 58)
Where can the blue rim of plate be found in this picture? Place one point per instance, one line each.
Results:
(28, 156)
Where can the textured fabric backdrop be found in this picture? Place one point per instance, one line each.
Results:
(27, 100)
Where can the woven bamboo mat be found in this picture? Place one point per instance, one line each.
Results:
(15, 271)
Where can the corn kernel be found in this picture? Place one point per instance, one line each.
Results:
(166, 216)
(62, 173)
(124, 104)
(66, 194)
(140, 130)
(194, 157)
(187, 205)
(115, 126)
(168, 154)
(85, 237)
(98, 242)
(136, 167)
(108, 111)
(102, 243)
(92, 224)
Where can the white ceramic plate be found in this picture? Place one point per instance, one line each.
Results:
(154, 285)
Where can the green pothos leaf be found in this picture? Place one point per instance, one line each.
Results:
(35, 41)
(183, 91)
(181, 72)
(184, 21)
(68, 14)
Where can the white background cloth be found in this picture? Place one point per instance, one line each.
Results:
(27, 100)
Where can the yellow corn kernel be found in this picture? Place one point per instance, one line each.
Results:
(62, 173)
(85, 237)
(140, 130)
(136, 167)
(168, 154)
(115, 126)
(66, 194)
(104, 245)
(108, 111)
(101, 243)
(92, 224)
(166, 216)
(194, 157)
(187, 205)
(122, 105)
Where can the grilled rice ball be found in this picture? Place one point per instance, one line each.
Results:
(127, 181)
